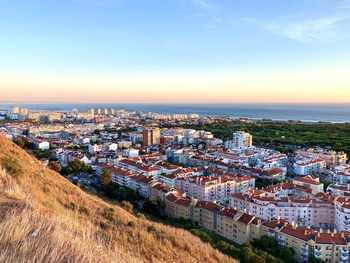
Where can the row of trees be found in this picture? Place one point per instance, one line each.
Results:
(76, 167)
(284, 135)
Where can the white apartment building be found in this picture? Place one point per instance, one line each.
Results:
(306, 166)
(340, 174)
(95, 148)
(240, 140)
(41, 145)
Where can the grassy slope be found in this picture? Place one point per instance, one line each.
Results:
(33, 197)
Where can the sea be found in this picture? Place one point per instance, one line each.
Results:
(304, 112)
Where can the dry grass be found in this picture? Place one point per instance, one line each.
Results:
(74, 226)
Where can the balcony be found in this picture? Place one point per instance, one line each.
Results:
(304, 250)
(318, 254)
(304, 258)
(344, 258)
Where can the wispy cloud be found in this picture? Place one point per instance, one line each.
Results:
(323, 29)
(205, 8)
(201, 3)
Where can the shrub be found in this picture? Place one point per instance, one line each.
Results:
(127, 206)
(11, 165)
(55, 166)
(45, 190)
(85, 210)
(141, 216)
(73, 206)
(152, 228)
(132, 224)
(109, 213)
(106, 225)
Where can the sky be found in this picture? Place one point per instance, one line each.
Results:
(170, 51)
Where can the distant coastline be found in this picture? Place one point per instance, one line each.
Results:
(338, 113)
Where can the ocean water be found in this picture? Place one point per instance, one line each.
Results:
(305, 112)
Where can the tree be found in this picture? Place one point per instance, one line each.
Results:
(313, 259)
(55, 166)
(24, 143)
(325, 185)
(160, 203)
(106, 177)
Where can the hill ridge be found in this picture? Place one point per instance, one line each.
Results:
(30, 192)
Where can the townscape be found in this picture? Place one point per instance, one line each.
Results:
(240, 191)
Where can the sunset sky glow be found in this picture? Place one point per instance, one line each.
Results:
(188, 51)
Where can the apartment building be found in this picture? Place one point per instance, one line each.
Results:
(311, 182)
(139, 167)
(306, 166)
(241, 140)
(207, 188)
(305, 212)
(331, 158)
(151, 136)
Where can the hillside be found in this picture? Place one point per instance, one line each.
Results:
(45, 218)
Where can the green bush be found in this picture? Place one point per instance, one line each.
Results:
(109, 213)
(85, 210)
(73, 206)
(141, 216)
(106, 225)
(127, 206)
(132, 224)
(152, 228)
(11, 165)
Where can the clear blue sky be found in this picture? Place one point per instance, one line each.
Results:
(128, 36)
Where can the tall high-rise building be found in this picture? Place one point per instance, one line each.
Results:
(92, 111)
(105, 111)
(98, 111)
(151, 136)
(23, 111)
(75, 111)
(242, 140)
(14, 109)
(111, 110)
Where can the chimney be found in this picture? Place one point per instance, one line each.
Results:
(292, 224)
(342, 234)
(321, 230)
(328, 230)
(335, 230)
